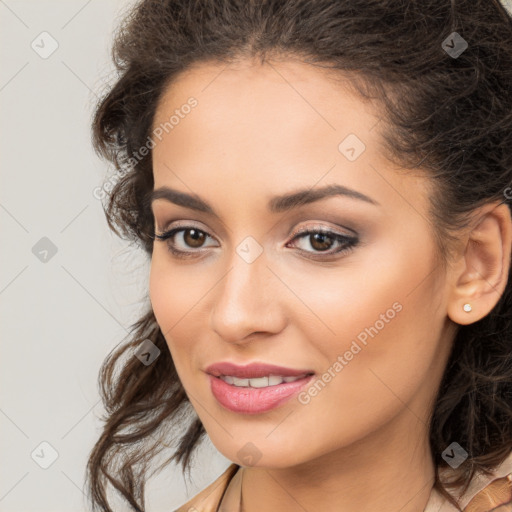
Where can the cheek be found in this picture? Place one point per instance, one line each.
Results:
(168, 304)
(367, 290)
(379, 331)
(180, 304)
(173, 291)
(160, 293)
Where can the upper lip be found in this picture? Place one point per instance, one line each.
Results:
(253, 370)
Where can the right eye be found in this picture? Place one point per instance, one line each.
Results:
(191, 236)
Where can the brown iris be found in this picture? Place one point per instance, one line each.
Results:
(196, 239)
(318, 241)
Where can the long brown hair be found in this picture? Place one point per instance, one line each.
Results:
(450, 114)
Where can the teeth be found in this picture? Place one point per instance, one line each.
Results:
(240, 382)
(259, 382)
(291, 379)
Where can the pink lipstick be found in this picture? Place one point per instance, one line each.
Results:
(257, 387)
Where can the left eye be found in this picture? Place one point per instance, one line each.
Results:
(320, 240)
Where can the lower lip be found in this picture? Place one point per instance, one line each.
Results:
(255, 400)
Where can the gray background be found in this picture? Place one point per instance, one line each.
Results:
(60, 317)
(61, 312)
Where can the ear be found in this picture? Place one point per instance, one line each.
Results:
(480, 274)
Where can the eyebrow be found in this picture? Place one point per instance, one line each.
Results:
(277, 204)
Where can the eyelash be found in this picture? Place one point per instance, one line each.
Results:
(349, 242)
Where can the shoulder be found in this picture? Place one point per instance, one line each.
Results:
(485, 493)
(210, 497)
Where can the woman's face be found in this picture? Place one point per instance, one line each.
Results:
(365, 312)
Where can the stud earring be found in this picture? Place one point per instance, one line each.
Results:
(467, 308)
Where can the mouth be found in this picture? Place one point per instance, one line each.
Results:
(257, 395)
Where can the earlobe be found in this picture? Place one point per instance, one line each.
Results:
(481, 275)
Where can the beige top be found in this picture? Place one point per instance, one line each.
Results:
(484, 494)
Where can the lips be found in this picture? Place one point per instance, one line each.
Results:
(254, 370)
(247, 400)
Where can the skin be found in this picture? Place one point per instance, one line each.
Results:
(262, 130)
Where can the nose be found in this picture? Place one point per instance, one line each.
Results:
(247, 302)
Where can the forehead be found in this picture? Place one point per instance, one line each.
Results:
(280, 124)
(276, 103)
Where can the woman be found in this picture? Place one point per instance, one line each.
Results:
(323, 189)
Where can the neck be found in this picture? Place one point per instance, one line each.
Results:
(385, 472)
